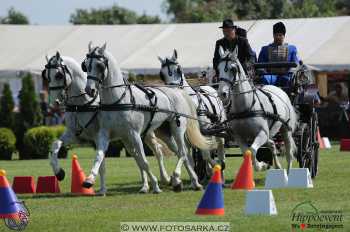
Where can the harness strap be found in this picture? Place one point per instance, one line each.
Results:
(137, 107)
(260, 113)
(257, 113)
(78, 132)
(150, 95)
(60, 87)
(81, 108)
(214, 117)
(92, 100)
(269, 96)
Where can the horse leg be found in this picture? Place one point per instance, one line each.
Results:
(221, 156)
(65, 139)
(143, 174)
(156, 148)
(259, 140)
(209, 162)
(175, 178)
(102, 171)
(290, 147)
(101, 147)
(144, 178)
(135, 146)
(276, 161)
(179, 136)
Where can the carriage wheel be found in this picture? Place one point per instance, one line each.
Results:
(315, 145)
(308, 146)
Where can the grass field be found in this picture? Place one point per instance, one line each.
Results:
(123, 203)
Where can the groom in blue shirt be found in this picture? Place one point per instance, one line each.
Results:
(278, 51)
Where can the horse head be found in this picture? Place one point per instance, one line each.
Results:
(171, 72)
(58, 76)
(96, 66)
(231, 73)
(302, 76)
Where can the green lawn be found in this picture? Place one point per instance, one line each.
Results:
(65, 213)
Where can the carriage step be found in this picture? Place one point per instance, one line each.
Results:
(276, 178)
(299, 178)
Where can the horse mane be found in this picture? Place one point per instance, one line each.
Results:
(115, 72)
(74, 66)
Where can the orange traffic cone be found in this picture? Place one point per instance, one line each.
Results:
(78, 178)
(244, 178)
(320, 140)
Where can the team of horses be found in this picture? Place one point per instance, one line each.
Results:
(101, 105)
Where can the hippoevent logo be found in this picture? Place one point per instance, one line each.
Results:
(306, 216)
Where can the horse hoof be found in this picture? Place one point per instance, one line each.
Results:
(166, 181)
(178, 188)
(60, 174)
(143, 190)
(157, 191)
(198, 188)
(87, 184)
(101, 193)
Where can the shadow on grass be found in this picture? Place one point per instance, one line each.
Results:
(128, 189)
(259, 182)
(113, 190)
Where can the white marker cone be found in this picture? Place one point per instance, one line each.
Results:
(299, 178)
(276, 178)
(260, 202)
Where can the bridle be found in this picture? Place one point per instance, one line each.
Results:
(62, 71)
(92, 55)
(61, 74)
(167, 64)
(235, 71)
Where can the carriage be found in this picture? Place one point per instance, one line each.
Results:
(304, 96)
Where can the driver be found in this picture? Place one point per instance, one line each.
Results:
(278, 51)
(232, 39)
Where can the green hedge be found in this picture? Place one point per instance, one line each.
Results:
(7, 143)
(38, 141)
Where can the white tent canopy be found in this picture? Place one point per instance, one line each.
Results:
(322, 42)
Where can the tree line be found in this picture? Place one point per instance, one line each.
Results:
(196, 11)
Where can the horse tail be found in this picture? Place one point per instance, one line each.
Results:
(294, 149)
(193, 133)
(293, 121)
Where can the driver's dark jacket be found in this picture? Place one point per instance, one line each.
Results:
(245, 53)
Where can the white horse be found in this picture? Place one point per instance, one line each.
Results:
(209, 106)
(255, 115)
(67, 84)
(124, 116)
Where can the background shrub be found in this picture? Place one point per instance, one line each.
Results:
(7, 143)
(38, 141)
